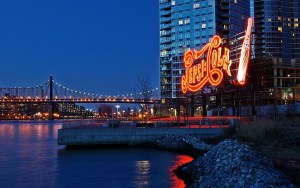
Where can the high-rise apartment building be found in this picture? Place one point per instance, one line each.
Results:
(277, 46)
(190, 24)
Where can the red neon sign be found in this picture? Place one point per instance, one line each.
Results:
(213, 60)
(209, 69)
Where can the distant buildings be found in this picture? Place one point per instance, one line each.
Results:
(41, 111)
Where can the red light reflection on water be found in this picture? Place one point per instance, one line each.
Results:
(180, 160)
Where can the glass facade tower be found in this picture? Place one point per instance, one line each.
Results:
(277, 46)
(190, 24)
(277, 30)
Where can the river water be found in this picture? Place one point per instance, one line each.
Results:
(30, 157)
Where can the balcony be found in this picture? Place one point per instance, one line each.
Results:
(165, 13)
(225, 14)
(165, 40)
(166, 68)
(164, 62)
(165, 33)
(166, 77)
(225, 22)
(261, 2)
(165, 6)
(225, 7)
(224, 1)
(165, 19)
(225, 30)
(165, 26)
(259, 10)
(165, 47)
(165, 55)
(166, 89)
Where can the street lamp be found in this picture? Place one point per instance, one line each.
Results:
(117, 106)
(132, 114)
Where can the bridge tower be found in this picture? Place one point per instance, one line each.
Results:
(51, 99)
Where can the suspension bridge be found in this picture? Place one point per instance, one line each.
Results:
(52, 93)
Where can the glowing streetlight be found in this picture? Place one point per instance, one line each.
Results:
(117, 106)
(123, 114)
(132, 114)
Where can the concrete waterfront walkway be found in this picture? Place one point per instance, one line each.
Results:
(129, 135)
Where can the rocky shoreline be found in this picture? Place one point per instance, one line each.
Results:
(227, 164)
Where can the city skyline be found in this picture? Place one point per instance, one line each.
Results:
(99, 47)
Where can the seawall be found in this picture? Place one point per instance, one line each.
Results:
(127, 135)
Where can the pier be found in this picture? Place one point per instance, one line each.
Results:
(126, 133)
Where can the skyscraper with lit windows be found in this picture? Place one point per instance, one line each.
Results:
(190, 24)
(277, 45)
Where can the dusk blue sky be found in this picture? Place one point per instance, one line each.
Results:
(93, 46)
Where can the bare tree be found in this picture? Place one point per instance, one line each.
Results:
(144, 91)
(143, 86)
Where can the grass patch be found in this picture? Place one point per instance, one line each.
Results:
(280, 141)
(259, 131)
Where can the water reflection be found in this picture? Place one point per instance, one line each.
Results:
(30, 130)
(180, 160)
(142, 176)
(28, 153)
(30, 157)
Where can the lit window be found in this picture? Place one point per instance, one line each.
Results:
(269, 19)
(187, 21)
(197, 5)
(173, 3)
(279, 18)
(289, 19)
(203, 26)
(295, 25)
(295, 19)
(235, 1)
(280, 29)
(180, 22)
